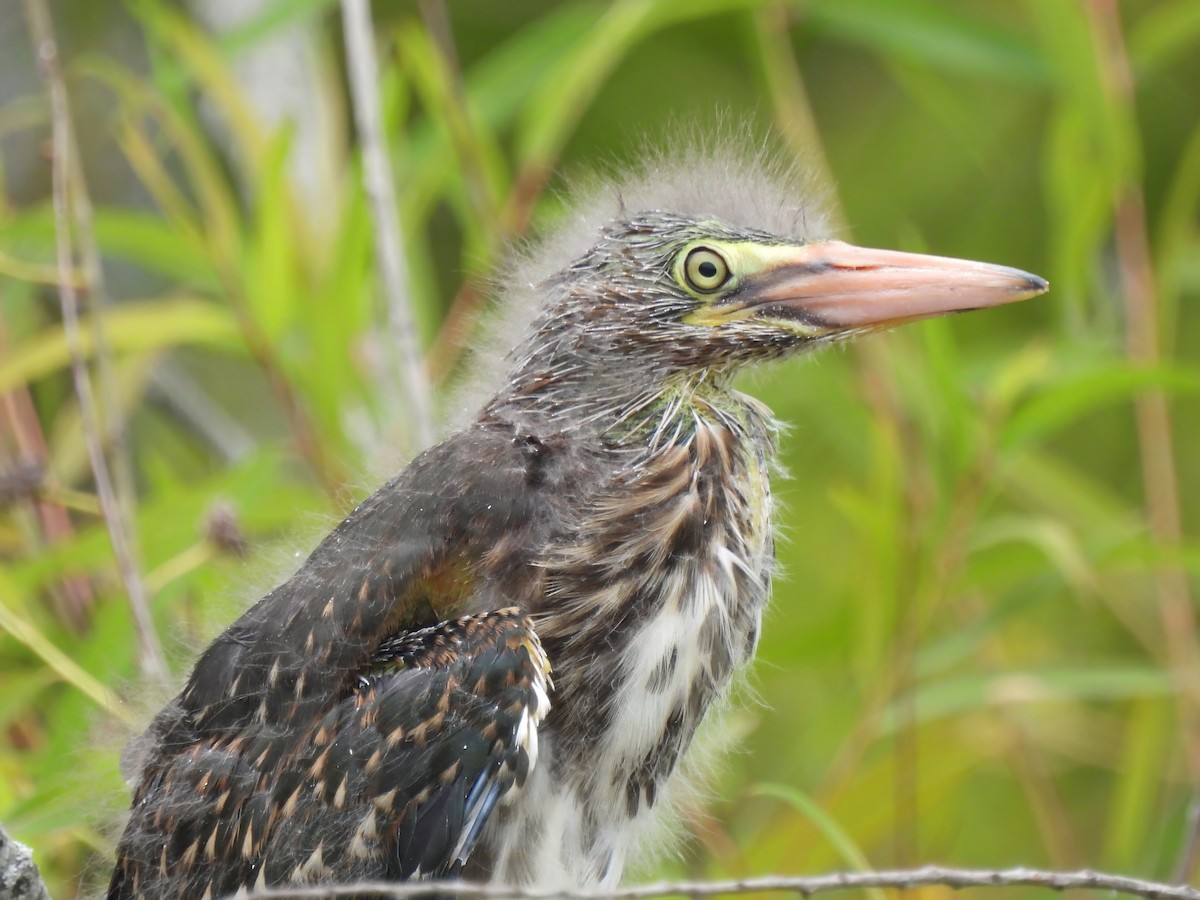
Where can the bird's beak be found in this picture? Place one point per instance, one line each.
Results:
(832, 286)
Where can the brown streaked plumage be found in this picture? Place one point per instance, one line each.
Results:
(493, 666)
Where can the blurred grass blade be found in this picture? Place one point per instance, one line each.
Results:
(187, 44)
(24, 631)
(1176, 256)
(270, 265)
(484, 179)
(1063, 489)
(949, 697)
(1148, 735)
(135, 326)
(269, 18)
(141, 238)
(932, 34)
(1163, 33)
(567, 89)
(495, 88)
(216, 230)
(1058, 405)
(1050, 537)
(849, 851)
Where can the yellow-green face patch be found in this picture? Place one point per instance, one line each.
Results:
(711, 270)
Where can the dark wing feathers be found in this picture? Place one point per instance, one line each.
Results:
(394, 766)
(409, 556)
(364, 718)
(396, 781)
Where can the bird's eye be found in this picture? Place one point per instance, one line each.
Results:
(705, 270)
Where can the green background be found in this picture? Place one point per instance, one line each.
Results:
(981, 648)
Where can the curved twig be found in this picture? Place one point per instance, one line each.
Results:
(806, 886)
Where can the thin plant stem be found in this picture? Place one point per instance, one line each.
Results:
(19, 426)
(363, 69)
(115, 426)
(460, 126)
(1152, 413)
(46, 50)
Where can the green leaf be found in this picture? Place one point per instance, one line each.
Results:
(1165, 32)
(849, 851)
(148, 242)
(566, 90)
(932, 34)
(1058, 405)
(1148, 736)
(25, 631)
(269, 18)
(947, 697)
(270, 266)
(128, 328)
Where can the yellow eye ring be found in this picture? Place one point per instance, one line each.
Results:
(705, 270)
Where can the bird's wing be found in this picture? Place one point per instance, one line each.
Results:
(409, 768)
(376, 695)
(396, 781)
(415, 553)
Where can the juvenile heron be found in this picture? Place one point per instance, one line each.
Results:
(492, 667)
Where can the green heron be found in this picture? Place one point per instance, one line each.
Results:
(492, 667)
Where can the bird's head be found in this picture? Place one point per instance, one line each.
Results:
(696, 287)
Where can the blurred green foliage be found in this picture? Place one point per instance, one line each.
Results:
(971, 656)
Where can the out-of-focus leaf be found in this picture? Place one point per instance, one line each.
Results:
(1065, 490)
(567, 89)
(24, 270)
(1164, 32)
(1175, 263)
(931, 34)
(141, 239)
(216, 229)
(1146, 750)
(850, 853)
(338, 309)
(495, 88)
(186, 44)
(170, 521)
(131, 327)
(1020, 372)
(1141, 554)
(68, 448)
(19, 690)
(23, 630)
(1058, 405)
(484, 180)
(270, 266)
(947, 697)
(268, 18)
(1093, 153)
(1049, 536)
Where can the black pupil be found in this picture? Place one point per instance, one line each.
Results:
(708, 269)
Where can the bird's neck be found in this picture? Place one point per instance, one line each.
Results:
(685, 404)
(631, 413)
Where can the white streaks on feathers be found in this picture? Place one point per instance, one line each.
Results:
(579, 822)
